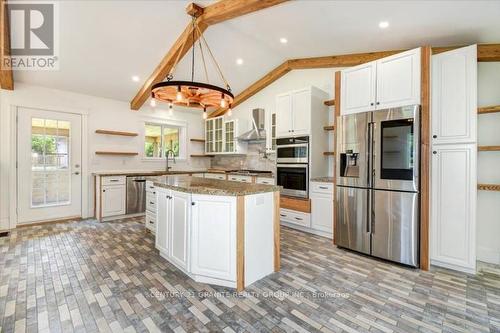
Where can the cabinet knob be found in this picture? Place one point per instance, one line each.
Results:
(435, 136)
(193, 203)
(434, 152)
(372, 104)
(104, 190)
(378, 103)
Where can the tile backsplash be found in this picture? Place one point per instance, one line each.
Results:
(252, 160)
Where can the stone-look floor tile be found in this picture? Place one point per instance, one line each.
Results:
(88, 276)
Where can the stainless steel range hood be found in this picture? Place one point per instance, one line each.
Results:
(257, 133)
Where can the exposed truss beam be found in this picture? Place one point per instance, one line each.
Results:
(213, 14)
(485, 52)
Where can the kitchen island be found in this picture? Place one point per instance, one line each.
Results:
(218, 232)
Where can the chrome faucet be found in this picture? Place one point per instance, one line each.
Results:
(168, 152)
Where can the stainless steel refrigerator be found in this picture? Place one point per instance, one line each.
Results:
(377, 183)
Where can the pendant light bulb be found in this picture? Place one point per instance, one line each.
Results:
(152, 103)
(230, 111)
(222, 101)
(179, 94)
(205, 113)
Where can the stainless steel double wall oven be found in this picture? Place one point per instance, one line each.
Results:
(292, 166)
(377, 192)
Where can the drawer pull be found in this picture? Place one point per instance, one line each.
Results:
(114, 180)
(323, 187)
(151, 222)
(298, 218)
(151, 203)
(282, 215)
(151, 187)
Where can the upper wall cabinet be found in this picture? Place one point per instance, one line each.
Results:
(297, 110)
(358, 88)
(454, 96)
(386, 83)
(221, 137)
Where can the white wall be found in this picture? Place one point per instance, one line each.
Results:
(102, 114)
(488, 204)
(323, 79)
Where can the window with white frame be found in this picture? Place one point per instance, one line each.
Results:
(159, 138)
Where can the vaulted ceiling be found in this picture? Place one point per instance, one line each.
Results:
(104, 43)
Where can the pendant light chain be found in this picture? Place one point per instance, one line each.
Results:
(194, 43)
(213, 59)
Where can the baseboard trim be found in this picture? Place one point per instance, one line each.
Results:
(467, 270)
(45, 222)
(488, 255)
(308, 230)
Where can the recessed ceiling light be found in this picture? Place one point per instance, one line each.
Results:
(383, 24)
(239, 61)
(283, 40)
(135, 78)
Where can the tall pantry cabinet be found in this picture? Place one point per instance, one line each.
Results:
(454, 159)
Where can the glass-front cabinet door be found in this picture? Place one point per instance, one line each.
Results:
(209, 136)
(218, 134)
(229, 133)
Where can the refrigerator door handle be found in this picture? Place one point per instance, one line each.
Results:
(369, 212)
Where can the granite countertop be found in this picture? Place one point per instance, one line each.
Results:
(145, 173)
(322, 179)
(198, 185)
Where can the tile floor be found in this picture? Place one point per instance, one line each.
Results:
(89, 276)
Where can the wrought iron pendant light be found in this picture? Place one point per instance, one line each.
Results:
(191, 93)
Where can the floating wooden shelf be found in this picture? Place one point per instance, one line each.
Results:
(330, 102)
(329, 153)
(101, 131)
(122, 153)
(197, 140)
(488, 109)
(195, 155)
(329, 128)
(488, 187)
(488, 148)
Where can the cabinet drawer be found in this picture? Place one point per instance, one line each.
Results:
(149, 186)
(220, 176)
(201, 175)
(295, 217)
(264, 180)
(243, 179)
(295, 204)
(150, 202)
(113, 180)
(151, 221)
(318, 187)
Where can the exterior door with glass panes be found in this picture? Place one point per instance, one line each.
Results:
(49, 179)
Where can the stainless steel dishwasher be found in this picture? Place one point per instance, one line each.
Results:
(136, 195)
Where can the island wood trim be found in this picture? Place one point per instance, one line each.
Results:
(488, 187)
(218, 12)
(6, 76)
(329, 128)
(425, 157)
(330, 102)
(486, 52)
(277, 234)
(240, 243)
(336, 113)
(301, 205)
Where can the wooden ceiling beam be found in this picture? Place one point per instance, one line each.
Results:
(218, 12)
(256, 87)
(194, 10)
(485, 53)
(6, 76)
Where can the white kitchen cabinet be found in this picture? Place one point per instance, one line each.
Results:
(270, 131)
(113, 199)
(398, 80)
(180, 209)
(322, 207)
(293, 113)
(163, 214)
(358, 88)
(220, 176)
(213, 237)
(453, 207)
(389, 82)
(295, 217)
(221, 137)
(284, 123)
(454, 96)
(265, 180)
(239, 178)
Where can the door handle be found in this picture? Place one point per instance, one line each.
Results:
(77, 173)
